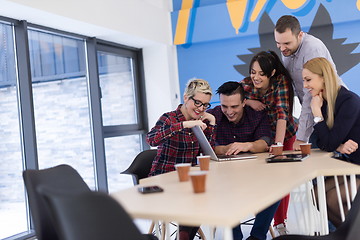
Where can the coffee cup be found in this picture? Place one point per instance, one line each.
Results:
(204, 162)
(277, 149)
(305, 148)
(183, 171)
(198, 179)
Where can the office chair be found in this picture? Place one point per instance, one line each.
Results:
(348, 230)
(140, 168)
(141, 165)
(90, 216)
(62, 176)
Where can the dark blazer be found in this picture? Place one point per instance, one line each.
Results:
(346, 124)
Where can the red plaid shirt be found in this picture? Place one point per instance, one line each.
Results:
(175, 144)
(276, 100)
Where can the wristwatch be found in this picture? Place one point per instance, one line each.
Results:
(318, 119)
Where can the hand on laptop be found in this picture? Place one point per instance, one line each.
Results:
(236, 147)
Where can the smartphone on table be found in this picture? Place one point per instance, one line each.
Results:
(287, 158)
(150, 189)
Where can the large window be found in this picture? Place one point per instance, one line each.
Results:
(121, 113)
(117, 88)
(12, 195)
(65, 98)
(117, 161)
(61, 106)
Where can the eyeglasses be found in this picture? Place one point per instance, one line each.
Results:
(198, 103)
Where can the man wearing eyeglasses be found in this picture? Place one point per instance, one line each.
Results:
(242, 129)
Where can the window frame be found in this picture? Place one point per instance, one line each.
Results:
(98, 131)
(139, 86)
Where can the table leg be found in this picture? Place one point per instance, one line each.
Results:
(310, 207)
(211, 233)
(341, 207)
(353, 186)
(228, 235)
(177, 231)
(348, 200)
(165, 231)
(322, 205)
(157, 229)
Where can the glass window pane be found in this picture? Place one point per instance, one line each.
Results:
(61, 106)
(13, 218)
(120, 152)
(117, 88)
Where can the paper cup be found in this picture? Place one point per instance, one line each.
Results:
(198, 179)
(305, 148)
(204, 162)
(183, 171)
(277, 149)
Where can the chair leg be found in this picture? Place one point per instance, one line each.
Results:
(201, 233)
(213, 231)
(151, 229)
(271, 230)
(163, 233)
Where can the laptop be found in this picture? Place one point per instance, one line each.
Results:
(208, 150)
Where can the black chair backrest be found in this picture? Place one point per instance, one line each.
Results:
(90, 216)
(348, 230)
(351, 226)
(354, 231)
(62, 176)
(141, 165)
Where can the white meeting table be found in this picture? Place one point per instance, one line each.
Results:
(234, 190)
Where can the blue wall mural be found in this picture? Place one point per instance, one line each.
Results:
(217, 38)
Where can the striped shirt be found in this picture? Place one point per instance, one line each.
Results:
(277, 103)
(175, 144)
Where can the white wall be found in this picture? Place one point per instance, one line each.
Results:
(143, 24)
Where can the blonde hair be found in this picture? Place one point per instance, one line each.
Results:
(323, 68)
(195, 85)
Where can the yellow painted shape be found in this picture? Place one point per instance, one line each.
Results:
(236, 9)
(293, 4)
(183, 22)
(358, 4)
(186, 4)
(259, 5)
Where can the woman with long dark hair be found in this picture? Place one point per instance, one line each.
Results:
(269, 87)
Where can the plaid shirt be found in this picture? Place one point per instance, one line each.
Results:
(175, 144)
(252, 126)
(277, 103)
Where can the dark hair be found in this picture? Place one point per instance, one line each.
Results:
(269, 61)
(288, 21)
(231, 88)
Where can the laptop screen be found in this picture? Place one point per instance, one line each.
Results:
(204, 143)
(208, 150)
